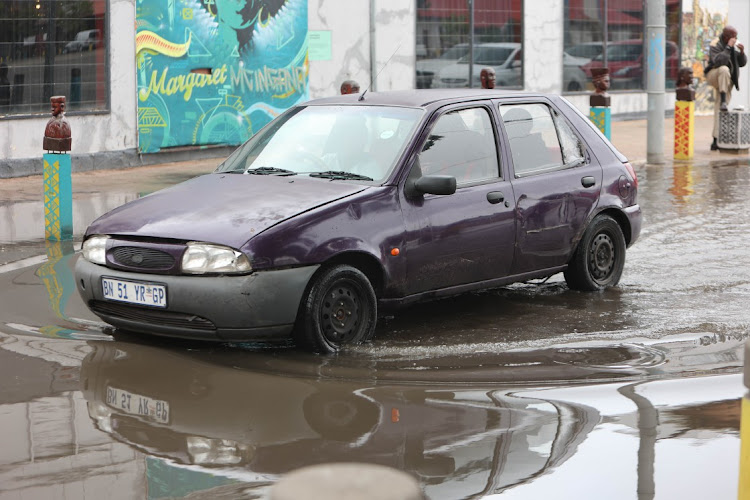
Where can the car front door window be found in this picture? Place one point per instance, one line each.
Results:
(461, 144)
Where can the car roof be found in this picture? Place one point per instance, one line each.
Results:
(498, 44)
(418, 98)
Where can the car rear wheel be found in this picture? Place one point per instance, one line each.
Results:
(600, 257)
(339, 308)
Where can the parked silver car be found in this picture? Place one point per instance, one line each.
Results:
(504, 58)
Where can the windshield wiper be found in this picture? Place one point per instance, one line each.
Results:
(340, 175)
(269, 171)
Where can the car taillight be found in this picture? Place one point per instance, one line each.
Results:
(631, 171)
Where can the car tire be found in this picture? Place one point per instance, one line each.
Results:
(340, 416)
(599, 258)
(339, 308)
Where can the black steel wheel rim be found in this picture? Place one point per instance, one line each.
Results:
(341, 312)
(602, 257)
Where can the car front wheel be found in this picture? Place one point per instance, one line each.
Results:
(339, 308)
(600, 257)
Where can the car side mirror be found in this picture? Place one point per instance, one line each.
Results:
(515, 64)
(418, 184)
(435, 184)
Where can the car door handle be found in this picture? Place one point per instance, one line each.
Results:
(495, 197)
(588, 181)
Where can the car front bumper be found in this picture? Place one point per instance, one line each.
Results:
(262, 305)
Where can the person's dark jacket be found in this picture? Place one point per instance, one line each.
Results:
(721, 54)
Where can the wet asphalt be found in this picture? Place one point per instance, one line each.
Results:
(526, 391)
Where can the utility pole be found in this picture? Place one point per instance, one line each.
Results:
(655, 79)
(471, 43)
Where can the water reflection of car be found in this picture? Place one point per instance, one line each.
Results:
(504, 58)
(350, 205)
(232, 410)
(84, 40)
(427, 68)
(626, 63)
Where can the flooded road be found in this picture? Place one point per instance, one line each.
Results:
(526, 391)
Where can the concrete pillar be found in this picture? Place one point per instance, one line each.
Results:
(655, 79)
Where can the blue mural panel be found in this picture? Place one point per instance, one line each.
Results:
(216, 71)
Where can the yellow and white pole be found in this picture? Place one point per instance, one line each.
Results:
(684, 129)
(58, 190)
(744, 488)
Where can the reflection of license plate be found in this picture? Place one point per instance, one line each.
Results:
(135, 404)
(133, 292)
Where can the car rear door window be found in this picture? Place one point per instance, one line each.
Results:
(534, 141)
(462, 144)
(572, 146)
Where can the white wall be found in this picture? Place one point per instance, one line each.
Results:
(115, 131)
(349, 23)
(543, 46)
(739, 17)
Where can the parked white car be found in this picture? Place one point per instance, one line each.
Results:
(504, 58)
(428, 68)
(84, 40)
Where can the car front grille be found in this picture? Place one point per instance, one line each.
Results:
(454, 81)
(141, 258)
(159, 317)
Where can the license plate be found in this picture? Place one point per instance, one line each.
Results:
(135, 404)
(133, 292)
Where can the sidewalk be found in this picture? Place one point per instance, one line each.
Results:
(630, 137)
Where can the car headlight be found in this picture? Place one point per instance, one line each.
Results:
(201, 258)
(95, 249)
(211, 451)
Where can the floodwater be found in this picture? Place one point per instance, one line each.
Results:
(527, 391)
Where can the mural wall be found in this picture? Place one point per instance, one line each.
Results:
(216, 71)
(702, 21)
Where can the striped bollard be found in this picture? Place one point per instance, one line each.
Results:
(602, 118)
(744, 488)
(58, 188)
(599, 102)
(684, 116)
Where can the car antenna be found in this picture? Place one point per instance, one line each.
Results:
(362, 97)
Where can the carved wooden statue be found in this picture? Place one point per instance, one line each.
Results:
(600, 97)
(349, 87)
(57, 133)
(685, 90)
(487, 77)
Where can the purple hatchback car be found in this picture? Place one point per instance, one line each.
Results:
(347, 205)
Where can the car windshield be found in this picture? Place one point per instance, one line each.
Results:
(337, 142)
(622, 52)
(455, 52)
(490, 56)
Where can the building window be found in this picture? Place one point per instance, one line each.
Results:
(443, 36)
(52, 47)
(624, 31)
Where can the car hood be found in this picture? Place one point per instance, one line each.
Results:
(226, 209)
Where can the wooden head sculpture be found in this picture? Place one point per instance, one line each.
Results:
(349, 87)
(684, 84)
(57, 132)
(487, 77)
(600, 78)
